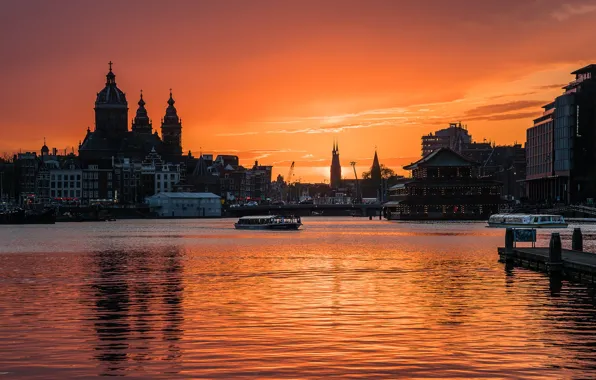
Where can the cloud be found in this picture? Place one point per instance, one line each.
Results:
(567, 11)
(491, 109)
(236, 134)
(552, 86)
(308, 156)
(507, 116)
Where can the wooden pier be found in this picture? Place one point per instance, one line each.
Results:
(572, 264)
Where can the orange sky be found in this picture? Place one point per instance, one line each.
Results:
(278, 81)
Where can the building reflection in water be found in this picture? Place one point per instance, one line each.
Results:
(138, 312)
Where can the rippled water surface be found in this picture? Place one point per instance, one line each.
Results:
(345, 297)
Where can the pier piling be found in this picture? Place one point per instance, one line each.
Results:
(577, 240)
(555, 253)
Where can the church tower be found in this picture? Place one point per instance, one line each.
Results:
(111, 108)
(335, 167)
(375, 170)
(171, 130)
(141, 122)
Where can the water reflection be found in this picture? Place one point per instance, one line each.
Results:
(342, 298)
(138, 308)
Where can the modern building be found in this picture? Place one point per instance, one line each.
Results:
(443, 185)
(455, 138)
(561, 145)
(190, 205)
(335, 177)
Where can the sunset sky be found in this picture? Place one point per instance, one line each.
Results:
(278, 81)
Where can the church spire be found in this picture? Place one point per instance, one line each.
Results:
(375, 170)
(171, 129)
(141, 122)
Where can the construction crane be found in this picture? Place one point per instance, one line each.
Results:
(353, 163)
(289, 182)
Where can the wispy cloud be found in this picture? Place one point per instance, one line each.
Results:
(568, 10)
(237, 134)
(491, 109)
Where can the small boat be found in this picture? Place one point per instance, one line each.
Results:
(268, 222)
(526, 221)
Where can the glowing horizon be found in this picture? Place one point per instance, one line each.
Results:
(278, 82)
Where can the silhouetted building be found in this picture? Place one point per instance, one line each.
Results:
(335, 178)
(455, 138)
(444, 185)
(561, 146)
(26, 167)
(171, 131)
(503, 163)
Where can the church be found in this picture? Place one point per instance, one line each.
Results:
(114, 159)
(111, 137)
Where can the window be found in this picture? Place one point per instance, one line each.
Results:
(78, 193)
(72, 177)
(84, 194)
(53, 176)
(109, 176)
(93, 167)
(110, 194)
(159, 176)
(59, 177)
(78, 177)
(53, 193)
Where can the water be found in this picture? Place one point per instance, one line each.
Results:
(345, 297)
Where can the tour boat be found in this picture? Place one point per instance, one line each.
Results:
(268, 222)
(526, 221)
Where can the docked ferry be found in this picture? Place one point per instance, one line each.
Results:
(526, 221)
(268, 222)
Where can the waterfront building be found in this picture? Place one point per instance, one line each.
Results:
(443, 185)
(503, 163)
(26, 167)
(455, 137)
(335, 177)
(181, 204)
(66, 181)
(561, 144)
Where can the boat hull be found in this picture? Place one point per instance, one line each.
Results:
(23, 217)
(521, 225)
(281, 226)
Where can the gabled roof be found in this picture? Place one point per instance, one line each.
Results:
(442, 157)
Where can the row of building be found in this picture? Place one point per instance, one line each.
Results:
(116, 164)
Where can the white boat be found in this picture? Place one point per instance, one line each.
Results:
(526, 221)
(268, 222)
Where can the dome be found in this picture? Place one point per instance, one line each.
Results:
(111, 95)
(44, 149)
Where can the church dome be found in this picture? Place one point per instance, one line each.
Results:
(111, 95)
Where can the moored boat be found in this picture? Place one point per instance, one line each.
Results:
(21, 216)
(268, 222)
(526, 221)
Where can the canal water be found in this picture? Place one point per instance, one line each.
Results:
(342, 298)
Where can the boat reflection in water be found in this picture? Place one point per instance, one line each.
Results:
(268, 222)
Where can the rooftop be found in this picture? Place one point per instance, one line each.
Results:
(587, 69)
